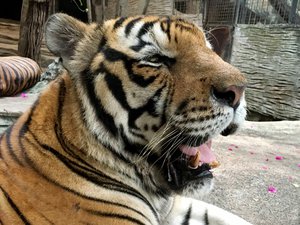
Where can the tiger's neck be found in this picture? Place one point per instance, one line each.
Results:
(61, 119)
(70, 137)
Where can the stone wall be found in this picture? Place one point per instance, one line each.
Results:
(270, 58)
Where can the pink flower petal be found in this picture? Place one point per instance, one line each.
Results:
(230, 149)
(264, 167)
(278, 157)
(24, 95)
(272, 189)
(299, 165)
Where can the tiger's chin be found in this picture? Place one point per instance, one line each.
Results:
(191, 182)
(188, 180)
(198, 189)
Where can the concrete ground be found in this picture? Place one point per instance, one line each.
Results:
(261, 155)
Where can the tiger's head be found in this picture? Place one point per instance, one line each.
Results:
(152, 90)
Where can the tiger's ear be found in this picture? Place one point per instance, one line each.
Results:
(62, 33)
(221, 39)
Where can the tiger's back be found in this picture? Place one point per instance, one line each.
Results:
(111, 140)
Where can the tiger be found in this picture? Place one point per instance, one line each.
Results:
(124, 134)
(17, 74)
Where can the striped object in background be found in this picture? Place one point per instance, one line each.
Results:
(17, 74)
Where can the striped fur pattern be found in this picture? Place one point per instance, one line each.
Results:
(17, 74)
(100, 145)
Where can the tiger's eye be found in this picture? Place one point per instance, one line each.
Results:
(154, 60)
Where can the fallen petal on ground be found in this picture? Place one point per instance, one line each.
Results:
(272, 189)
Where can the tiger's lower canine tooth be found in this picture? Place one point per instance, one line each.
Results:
(194, 161)
(214, 164)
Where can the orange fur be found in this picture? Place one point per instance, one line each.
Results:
(55, 166)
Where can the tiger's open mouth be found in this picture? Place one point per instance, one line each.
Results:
(190, 163)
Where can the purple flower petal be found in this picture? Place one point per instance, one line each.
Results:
(272, 189)
(278, 157)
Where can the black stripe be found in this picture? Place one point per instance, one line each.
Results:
(167, 61)
(58, 128)
(28, 63)
(113, 55)
(182, 106)
(206, 220)
(9, 132)
(131, 147)
(145, 28)
(89, 173)
(168, 21)
(115, 216)
(26, 124)
(1, 139)
(25, 64)
(4, 76)
(67, 146)
(95, 177)
(140, 45)
(60, 101)
(117, 154)
(97, 199)
(102, 44)
(137, 78)
(119, 22)
(139, 212)
(116, 87)
(187, 217)
(19, 77)
(87, 79)
(183, 27)
(7, 80)
(29, 73)
(62, 140)
(16, 209)
(196, 119)
(16, 79)
(130, 25)
(141, 80)
(11, 85)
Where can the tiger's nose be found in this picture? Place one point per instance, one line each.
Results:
(230, 96)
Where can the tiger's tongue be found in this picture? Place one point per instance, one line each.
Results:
(207, 155)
